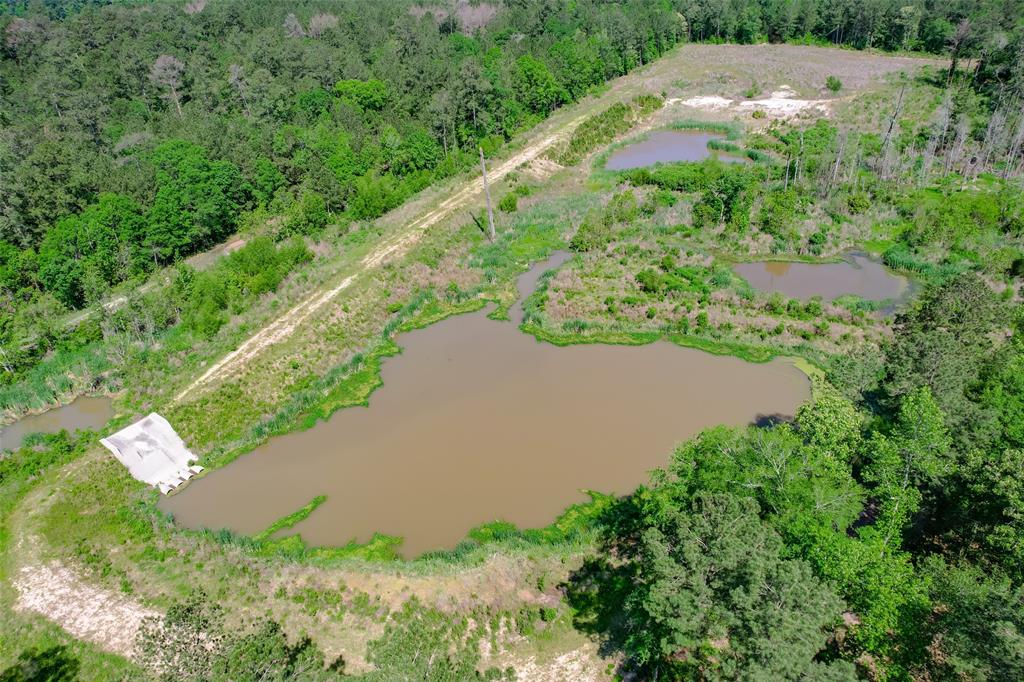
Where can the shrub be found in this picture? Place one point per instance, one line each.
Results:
(778, 213)
(374, 196)
(593, 234)
(833, 84)
(307, 215)
(597, 229)
(257, 268)
(509, 203)
(858, 202)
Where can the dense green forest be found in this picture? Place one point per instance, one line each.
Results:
(135, 135)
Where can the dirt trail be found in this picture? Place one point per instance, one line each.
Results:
(391, 247)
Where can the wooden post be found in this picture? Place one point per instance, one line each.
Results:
(487, 194)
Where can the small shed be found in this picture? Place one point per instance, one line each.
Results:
(153, 453)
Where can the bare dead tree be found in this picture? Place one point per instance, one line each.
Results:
(195, 7)
(955, 153)
(837, 164)
(995, 140)
(320, 24)
(236, 76)
(1014, 148)
(167, 72)
(19, 33)
(487, 194)
(293, 27)
(957, 43)
(799, 156)
(942, 118)
(853, 172)
(897, 110)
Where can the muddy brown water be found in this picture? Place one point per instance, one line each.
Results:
(665, 146)
(478, 422)
(83, 413)
(858, 274)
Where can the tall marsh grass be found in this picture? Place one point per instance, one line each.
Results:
(66, 373)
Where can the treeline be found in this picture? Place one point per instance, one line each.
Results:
(970, 28)
(133, 135)
(878, 536)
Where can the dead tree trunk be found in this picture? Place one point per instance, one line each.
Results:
(177, 100)
(838, 164)
(956, 152)
(937, 138)
(799, 156)
(487, 194)
(892, 126)
(1015, 147)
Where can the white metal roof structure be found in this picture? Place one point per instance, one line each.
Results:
(153, 453)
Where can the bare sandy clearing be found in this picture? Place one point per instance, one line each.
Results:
(103, 617)
(580, 665)
(782, 103)
(706, 102)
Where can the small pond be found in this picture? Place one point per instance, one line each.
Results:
(666, 146)
(83, 413)
(857, 274)
(477, 422)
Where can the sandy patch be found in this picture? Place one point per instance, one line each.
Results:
(104, 617)
(781, 103)
(708, 102)
(542, 168)
(579, 665)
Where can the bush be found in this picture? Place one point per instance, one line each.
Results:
(375, 195)
(597, 229)
(509, 203)
(307, 215)
(593, 234)
(858, 202)
(833, 84)
(778, 214)
(257, 268)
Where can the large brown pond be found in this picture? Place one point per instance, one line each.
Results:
(667, 146)
(83, 413)
(478, 422)
(858, 275)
